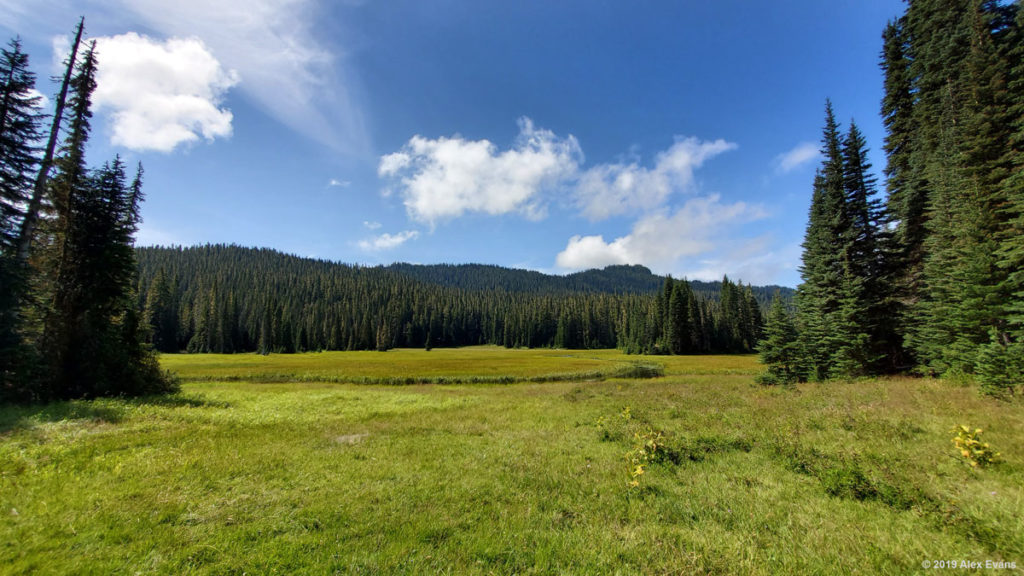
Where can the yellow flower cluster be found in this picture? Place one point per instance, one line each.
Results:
(969, 443)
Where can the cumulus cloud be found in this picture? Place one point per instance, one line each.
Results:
(387, 241)
(613, 189)
(801, 154)
(448, 177)
(761, 260)
(161, 94)
(663, 238)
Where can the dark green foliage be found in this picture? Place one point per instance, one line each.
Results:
(19, 129)
(963, 158)
(936, 276)
(1000, 366)
(230, 299)
(780, 348)
(27, 233)
(1011, 252)
(612, 280)
(820, 297)
(847, 312)
(79, 283)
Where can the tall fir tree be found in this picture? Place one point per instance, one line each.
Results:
(818, 297)
(27, 232)
(1011, 255)
(19, 130)
(64, 331)
(962, 131)
(903, 248)
(869, 343)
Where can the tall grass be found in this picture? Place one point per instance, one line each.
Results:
(530, 478)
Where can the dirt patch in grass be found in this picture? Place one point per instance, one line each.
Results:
(350, 439)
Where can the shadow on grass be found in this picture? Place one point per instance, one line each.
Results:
(15, 418)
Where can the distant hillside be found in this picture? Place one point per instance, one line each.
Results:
(219, 298)
(633, 279)
(612, 280)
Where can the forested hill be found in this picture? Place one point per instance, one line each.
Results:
(227, 298)
(613, 279)
(633, 279)
(627, 279)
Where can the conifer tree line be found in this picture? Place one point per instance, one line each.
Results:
(69, 327)
(931, 280)
(228, 299)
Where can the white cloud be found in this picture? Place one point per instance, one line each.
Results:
(335, 183)
(801, 154)
(662, 239)
(284, 66)
(371, 225)
(161, 94)
(43, 103)
(448, 177)
(297, 75)
(612, 189)
(761, 260)
(387, 241)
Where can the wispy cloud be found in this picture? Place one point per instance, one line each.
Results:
(387, 241)
(371, 225)
(285, 68)
(612, 189)
(801, 154)
(161, 94)
(298, 77)
(335, 183)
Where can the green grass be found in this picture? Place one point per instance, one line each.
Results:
(306, 477)
(457, 365)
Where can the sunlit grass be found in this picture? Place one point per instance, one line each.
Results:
(476, 363)
(233, 477)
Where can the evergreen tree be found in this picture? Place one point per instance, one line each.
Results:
(30, 217)
(65, 331)
(818, 298)
(1011, 254)
(903, 248)
(860, 322)
(780, 348)
(962, 134)
(679, 320)
(91, 337)
(19, 129)
(160, 315)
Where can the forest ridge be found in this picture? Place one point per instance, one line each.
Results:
(231, 299)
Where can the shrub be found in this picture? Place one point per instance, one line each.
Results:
(1000, 366)
(969, 443)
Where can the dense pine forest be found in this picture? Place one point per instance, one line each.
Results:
(931, 279)
(232, 299)
(68, 323)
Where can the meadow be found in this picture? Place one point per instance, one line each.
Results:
(491, 461)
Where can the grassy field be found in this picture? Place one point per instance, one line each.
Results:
(277, 465)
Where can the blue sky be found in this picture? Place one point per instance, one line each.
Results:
(554, 136)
